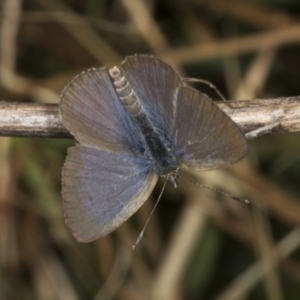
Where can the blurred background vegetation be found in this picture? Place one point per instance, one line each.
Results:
(198, 245)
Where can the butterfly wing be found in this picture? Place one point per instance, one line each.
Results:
(102, 189)
(92, 112)
(156, 85)
(204, 137)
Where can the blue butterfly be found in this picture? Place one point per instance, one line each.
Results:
(133, 125)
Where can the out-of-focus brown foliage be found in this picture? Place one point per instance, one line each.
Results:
(198, 245)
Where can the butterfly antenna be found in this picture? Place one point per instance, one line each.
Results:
(211, 85)
(243, 200)
(152, 211)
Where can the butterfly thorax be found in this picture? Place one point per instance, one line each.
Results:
(156, 148)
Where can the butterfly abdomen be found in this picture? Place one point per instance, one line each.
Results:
(125, 92)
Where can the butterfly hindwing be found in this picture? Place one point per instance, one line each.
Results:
(204, 137)
(103, 189)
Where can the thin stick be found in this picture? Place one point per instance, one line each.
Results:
(235, 46)
(43, 120)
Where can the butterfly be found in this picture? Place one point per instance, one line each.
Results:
(134, 124)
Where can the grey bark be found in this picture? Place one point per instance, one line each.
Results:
(255, 117)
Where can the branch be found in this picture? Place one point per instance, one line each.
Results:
(270, 39)
(255, 118)
(31, 120)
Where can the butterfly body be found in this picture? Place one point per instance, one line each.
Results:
(133, 125)
(155, 147)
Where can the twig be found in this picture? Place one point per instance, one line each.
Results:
(223, 48)
(85, 35)
(255, 117)
(31, 120)
(8, 33)
(145, 24)
(249, 12)
(241, 286)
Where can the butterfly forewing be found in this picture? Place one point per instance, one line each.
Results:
(103, 189)
(92, 112)
(156, 84)
(204, 137)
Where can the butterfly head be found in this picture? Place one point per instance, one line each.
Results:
(171, 174)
